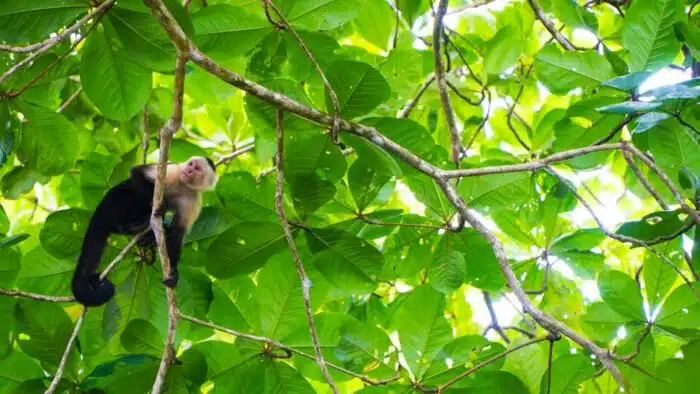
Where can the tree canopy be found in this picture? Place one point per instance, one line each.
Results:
(465, 196)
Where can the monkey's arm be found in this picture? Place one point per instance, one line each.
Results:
(174, 238)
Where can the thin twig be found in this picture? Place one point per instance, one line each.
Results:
(528, 166)
(35, 296)
(335, 127)
(637, 346)
(408, 107)
(665, 179)
(455, 135)
(69, 100)
(511, 110)
(494, 320)
(123, 253)
(395, 40)
(643, 179)
(266, 9)
(274, 343)
(539, 13)
(619, 237)
(55, 40)
(482, 124)
(166, 135)
(234, 154)
(64, 359)
(489, 361)
(144, 135)
(549, 367)
(545, 279)
(305, 281)
(616, 130)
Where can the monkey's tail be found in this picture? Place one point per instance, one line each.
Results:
(87, 287)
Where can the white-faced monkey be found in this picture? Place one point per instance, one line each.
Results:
(126, 209)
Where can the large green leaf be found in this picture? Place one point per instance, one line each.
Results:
(621, 293)
(359, 86)
(43, 273)
(681, 310)
(648, 33)
(30, 21)
(673, 148)
(653, 225)
(449, 268)
(94, 177)
(347, 262)
(142, 337)
(563, 71)
(313, 154)
(227, 30)
(423, 334)
(503, 50)
(49, 141)
(373, 22)
(117, 85)
(366, 183)
(244, 248)
(568, 372)
(247, 199)
(659, 276)
(321, 14)
(62, 235)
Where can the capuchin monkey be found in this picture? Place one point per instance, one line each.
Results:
(126, 209)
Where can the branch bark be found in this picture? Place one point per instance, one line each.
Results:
(234, 154)
(305, 281)
(539, 13)
(166, 135)
(410, 104)
(455, 135)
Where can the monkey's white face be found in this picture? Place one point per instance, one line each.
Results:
(197, 174)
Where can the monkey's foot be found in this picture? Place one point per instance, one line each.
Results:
(172, 281)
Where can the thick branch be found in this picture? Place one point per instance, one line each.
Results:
(455, 135)
(166, 135)
(284, 347)
(539, 13)
(48, 44)
(305, 281)
(64, 359)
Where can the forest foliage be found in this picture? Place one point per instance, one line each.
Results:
(480, 196)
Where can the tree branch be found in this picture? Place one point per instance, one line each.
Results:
(166, 135)
(528, 166)
(50, 43)
(494, 320)
(35, 296)
(290, 349)
(539, 13)
(665, 179)
(64, 359)
(455, 135)
(643, 179)
(69, 100)
(410, 104)
(305, 281)
(234, 154)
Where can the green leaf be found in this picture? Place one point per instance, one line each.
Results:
(360, 87)
(19, 181)
(13, 240)
(48, 144)
(142, 337)
(46, 328)
(673, 147)
(118, 86)
(653, 225)
(681, 310)
(31, 21)
(42, 273)
(223, 29)
(365, 183)
(373, 23)
(322, 14)
(9, 267)
(630, 107)
(8, 125)
(310, 192)
(659, 277)
(649, 120)
(503, 50)
(94, 177)
(244, 248)
(648, 34)
(449, 267)
(584, 263)
(568, 372)
(495, 192)
(428, 192)
(16, 368)
(629, 82)
(601, 322)
(363, 348)
(309, 154)
(347, 262)
(459, 354)
(63, 232)
(620, 292)
(279, 298)
(210, 223)
(561, 72)
(246, 199)
(584, 239)
(691, 36)
(423, 334)
(382, 161)
(574, 15)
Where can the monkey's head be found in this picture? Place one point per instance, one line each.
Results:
(198, 173)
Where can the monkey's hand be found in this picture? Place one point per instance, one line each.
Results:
(160, 211)
(172, 281)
